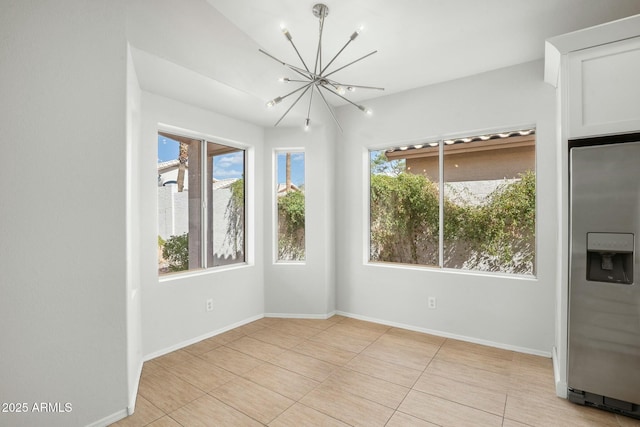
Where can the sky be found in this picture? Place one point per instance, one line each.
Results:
(232, 165)
(224, 167)
(297, 168)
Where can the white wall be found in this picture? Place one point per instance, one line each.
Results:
(303, 289)
(63, 281)
(173, 310)
(503, 311)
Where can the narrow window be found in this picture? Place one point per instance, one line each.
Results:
(201, 204)
(290, 206)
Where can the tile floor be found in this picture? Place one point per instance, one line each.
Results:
(347, 372)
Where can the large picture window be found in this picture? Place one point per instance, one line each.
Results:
(466, 203)
(201, 204)
(290, 206)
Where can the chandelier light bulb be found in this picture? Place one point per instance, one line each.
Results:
(306, 124)
(286, 33)
(274, 102)
(283, 79)
(351, 89)
(341, 90)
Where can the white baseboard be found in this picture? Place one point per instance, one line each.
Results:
(300, 315)
(133, 394)
(188, 342)
(449, 335)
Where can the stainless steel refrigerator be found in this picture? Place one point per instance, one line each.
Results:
(604, 283)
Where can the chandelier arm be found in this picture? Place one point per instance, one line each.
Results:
(299, 56)
(329, 108)
(294, 103)
(350, 63)
(309, 109)
(291, 67)
(297, 90)
(335, 84)
(346, 99)
(336, 55)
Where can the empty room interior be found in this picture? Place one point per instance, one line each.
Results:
(292, 213)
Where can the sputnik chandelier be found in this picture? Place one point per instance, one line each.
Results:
(319, 79)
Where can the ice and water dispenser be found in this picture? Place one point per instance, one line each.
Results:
(610, 257)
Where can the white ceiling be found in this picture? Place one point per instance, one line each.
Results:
(419, 42)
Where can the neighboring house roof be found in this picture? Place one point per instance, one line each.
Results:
(490, 141)
(222, 183)
(168, 165)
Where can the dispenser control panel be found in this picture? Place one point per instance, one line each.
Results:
(610, 242)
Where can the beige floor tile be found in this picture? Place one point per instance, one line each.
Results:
(511, 423)
(403, 420)
(252, 399)
(256, 348)
(484, 350)
(374, 389)
(427, 348)
(465, 394)
(202, 374)
(444, 412)
(416, 336)
(321, 324)
(549, 410)
(357, 332)
(227, 337)
(250, 328)
(351, 409)
(282, 381)
(276, 337)
(476, 360)
(145, 413)
(299, 330)
(174, 358)
(165, 421)
(302, 416)
(209, 411)
(307, 366)
(627, 421)
(341, 341)
(203, 346)
(151, 367)
(387, 371)
(470, 375)
(363, 324)
(232, 360)
(400, 355)
(323, 352)
(167, 392)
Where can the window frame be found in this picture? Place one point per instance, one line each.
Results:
(441, 186)
(248, 152)
(274, 205)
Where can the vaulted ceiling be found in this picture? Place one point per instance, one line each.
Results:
(205, 52)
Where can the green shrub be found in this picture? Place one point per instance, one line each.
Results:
(176, 252)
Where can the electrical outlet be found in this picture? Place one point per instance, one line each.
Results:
(432, 303)
(210, 304)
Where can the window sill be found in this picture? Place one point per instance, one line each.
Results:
(416, 267)
(202, 272)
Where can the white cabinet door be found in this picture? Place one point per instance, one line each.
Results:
(604, 89)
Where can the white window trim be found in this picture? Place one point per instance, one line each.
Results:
(249, 197)
(366, 179)
(274, 205)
